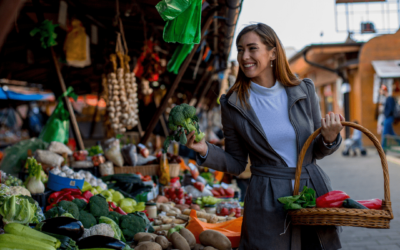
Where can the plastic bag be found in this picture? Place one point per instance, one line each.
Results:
(57, 127)
(180, 54)
(185, 28)
(15, 155)
(169, 10)
(59, 148)
(106, 168)
(113, 152)
(48, 158)
(231, 229)
(130, 155)
(76, 46)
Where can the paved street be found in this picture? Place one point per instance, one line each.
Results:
(362, 178)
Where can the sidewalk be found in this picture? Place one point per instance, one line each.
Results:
(362, 178)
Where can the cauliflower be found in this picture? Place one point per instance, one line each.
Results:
(102, 229)
(19, 191)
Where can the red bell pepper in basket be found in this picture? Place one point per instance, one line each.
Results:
(372, 203)
(332, 199)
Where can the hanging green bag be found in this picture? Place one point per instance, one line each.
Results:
(183, 20)
(180, 54)
(57, 127)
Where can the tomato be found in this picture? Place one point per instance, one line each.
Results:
(180, 195)
(224, 211)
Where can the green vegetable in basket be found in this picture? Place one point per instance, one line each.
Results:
(305, 199)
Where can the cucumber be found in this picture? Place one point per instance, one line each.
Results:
(350, 203)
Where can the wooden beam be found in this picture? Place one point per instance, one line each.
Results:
(175, 84)
(8, 15)
(206, 88)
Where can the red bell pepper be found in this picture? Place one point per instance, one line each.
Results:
(54, 196)
(199, 186)
(120, 211)
(87, 195)
(372, 203)
(81, 198)
(72, 190)
(331, 199)
(61, 197)
(68, 197)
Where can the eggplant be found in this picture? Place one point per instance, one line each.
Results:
(100, 241)
(66, 226)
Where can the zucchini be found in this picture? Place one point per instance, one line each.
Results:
(10, 240)
(25, 231)
(66, 242)
(350, 203)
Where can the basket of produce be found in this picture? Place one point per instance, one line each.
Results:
(151, 169)
(348, 212)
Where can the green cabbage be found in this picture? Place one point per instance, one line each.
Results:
(117, 231)
(17, 210)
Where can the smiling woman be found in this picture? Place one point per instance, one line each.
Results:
(258, 47)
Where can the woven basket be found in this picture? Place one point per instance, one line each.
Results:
(148, 170)
(369, 218)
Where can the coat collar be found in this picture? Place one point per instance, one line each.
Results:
(294, 94)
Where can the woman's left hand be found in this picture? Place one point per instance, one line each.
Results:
(331, 126)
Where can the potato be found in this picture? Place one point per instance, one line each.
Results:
(195, 207)
(148, 246)
(139, 236)
(179, 242)
(161, 199)
(162, 241)
(215, 239)
(147, 238)
(198, 247)
(189, 237)
(164, 208)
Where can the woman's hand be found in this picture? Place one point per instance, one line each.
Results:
(200, 147)
(331, 126)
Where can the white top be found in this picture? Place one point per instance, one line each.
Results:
(271, 108)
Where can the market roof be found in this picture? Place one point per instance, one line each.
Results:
(387, 68)
(22, 58)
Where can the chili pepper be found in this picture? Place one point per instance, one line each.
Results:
(332, 197)
(72, 190)
(61, 197)
(50, 206)
(54, 196)
(112, 205)
(120, 211)
(372, 203)
(68, 197)
(87, 195)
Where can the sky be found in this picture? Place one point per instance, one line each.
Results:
(299, 23)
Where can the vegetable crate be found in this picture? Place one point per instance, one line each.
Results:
(369, 218)
(56, 183)
(148, 170)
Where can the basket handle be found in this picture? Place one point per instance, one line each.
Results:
(367, 133)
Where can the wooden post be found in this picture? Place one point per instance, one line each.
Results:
(205, 89)
(8, 15)
(75, 127)
(164, 102)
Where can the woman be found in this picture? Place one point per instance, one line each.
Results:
(268, 115)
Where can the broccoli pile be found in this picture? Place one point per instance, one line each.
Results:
(183, 117)
(98, 206)
(87, 219)
(132, 224)
(114, 216)
(80, 203)
(70, 208)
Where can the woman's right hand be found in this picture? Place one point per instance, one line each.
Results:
(200, 147)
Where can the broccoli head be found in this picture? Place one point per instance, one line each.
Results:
(69, 207)
(183, 118)
(98, 206)
(87, 219)
(80, 203)
(114, 216)
(132, 224)
(54, 212)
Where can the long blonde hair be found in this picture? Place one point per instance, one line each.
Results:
(281, 68)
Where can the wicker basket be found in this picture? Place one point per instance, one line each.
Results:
(148, 170)
(369, 218)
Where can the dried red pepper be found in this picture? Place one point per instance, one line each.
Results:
(372, 203)
(332, 199)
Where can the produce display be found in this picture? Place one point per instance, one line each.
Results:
(9, 180)
(221, 192)
(89, 178)
(182, 120)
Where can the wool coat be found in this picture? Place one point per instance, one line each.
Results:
(264, 218)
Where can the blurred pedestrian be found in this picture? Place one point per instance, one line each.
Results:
(357, 141)
(389, 115)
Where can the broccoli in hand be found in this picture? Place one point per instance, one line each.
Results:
(183, 117)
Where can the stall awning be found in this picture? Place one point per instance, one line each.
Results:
(387, 68)
(13, 95)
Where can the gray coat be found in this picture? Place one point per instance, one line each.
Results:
(264, 216)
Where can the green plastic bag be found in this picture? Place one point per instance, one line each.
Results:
(185, 27)
(180, 54)
(15, 155)
(170, 9)
(57, 127)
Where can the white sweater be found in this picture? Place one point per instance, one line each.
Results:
(271, 108)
